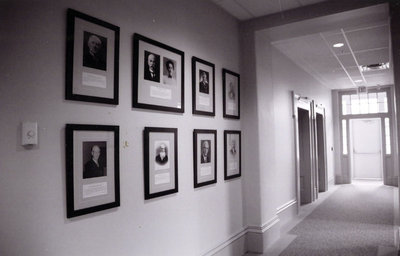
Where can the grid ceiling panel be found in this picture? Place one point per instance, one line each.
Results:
(361, 39)
(260, 7)
(373, 56)
(347, 60)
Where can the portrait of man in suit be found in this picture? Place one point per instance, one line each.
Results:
(95, 166)
(205, 151)
(151, 66)
(94, 51)
(203, 84)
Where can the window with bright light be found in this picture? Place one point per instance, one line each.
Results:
(355, 104)
(346, 104)
(344, 137)
(382, 102)
(387, 136)
(373, 103)
(364, 103)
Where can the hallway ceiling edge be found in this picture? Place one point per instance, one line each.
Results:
(365, 34)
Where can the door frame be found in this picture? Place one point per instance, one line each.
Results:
(304, 103)
(319, 109)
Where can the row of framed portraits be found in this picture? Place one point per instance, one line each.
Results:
(92, 163)
(158, 71)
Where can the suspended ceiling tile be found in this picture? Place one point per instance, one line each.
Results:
(331, 33)
(362, 39)
(379, 79)
(347, 60)
(312, 55)
(334, 39)
(372, 73)
(260, 7)
(353, 71)
(234, 9)
(343, 83)
(247, 9)
(373, 56)
(378, 20)
(338, 73)
(290, 4)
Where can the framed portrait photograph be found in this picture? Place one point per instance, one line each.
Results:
(160, 161)
(231, 94)
(204, 157)
(92, 168)
(232, 154)
(203, 87)
(92, 59)
(158, 76)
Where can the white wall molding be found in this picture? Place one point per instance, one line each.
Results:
(259, 238)
(267, 225)
(227, 242)
(286, 213)
(259, 230)
(285, 206)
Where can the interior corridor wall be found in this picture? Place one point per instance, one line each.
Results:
(270, 78)
(32, 181)
(269, 184)
(288, 77)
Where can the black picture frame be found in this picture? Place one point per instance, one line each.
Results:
(231, 94)
(204, 157)
(92, 187)
(232, 154)
(160, 161)
(92, 59)
(203, 93)
(163, 89)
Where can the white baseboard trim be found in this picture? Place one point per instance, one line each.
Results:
(226, 243)
(286, 213)
(267, 225)
(230, 242)
(259, 238)
(285, 206)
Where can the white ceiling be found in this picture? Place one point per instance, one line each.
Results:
(309, 44)
(338, 68)
(248, 9)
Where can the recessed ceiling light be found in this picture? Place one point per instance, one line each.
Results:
(338, 45)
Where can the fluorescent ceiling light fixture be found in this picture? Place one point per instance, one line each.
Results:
(358, 81)
(373, 67)
(338, 45)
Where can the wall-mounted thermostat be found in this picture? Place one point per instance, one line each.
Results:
(29, 134)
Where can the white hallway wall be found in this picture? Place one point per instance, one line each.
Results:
(269, 182)
(32, 182)
(289, 77)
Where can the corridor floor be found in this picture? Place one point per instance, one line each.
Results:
(354, 219)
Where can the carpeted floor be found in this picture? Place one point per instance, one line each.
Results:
(354, 220)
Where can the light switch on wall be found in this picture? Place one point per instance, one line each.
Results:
(29, 134)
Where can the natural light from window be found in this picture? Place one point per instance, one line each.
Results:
(387, 136)
(364, 103)
(344, 132)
